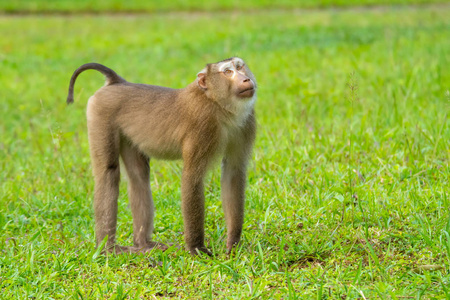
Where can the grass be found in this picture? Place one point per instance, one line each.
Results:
(120, 6)
(348, 193)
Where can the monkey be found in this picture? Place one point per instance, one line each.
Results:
(211, 119)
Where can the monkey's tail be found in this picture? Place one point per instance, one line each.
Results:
(111, 77)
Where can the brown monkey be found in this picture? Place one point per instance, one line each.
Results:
(211, 118)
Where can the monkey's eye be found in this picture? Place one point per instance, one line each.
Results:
(239, 67)
(228, 72)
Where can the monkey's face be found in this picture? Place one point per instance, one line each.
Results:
(230, 78)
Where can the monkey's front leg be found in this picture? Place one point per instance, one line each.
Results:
(193, 208)
(233, 194)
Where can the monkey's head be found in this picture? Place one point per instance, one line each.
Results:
(230, 78)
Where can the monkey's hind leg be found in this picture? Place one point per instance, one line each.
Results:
(140, 195)
(104, 148)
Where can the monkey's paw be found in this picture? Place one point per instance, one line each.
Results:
(116, 249)
(200, 251)
(232, 247)
(155, 245)
(150, 246)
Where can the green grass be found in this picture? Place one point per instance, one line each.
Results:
(70, 6)
(348, 191)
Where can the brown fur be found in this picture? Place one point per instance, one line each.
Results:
(212, 117)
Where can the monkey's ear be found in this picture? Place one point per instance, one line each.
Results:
(201, 80)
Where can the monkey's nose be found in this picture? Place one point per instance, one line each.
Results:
(246, 80)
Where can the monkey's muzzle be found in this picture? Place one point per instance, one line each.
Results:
(247, 93)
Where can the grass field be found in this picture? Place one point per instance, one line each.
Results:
(120, 6)
(348, 190)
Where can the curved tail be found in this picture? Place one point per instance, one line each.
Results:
(111, 77)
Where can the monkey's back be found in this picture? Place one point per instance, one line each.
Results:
(147, 113)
